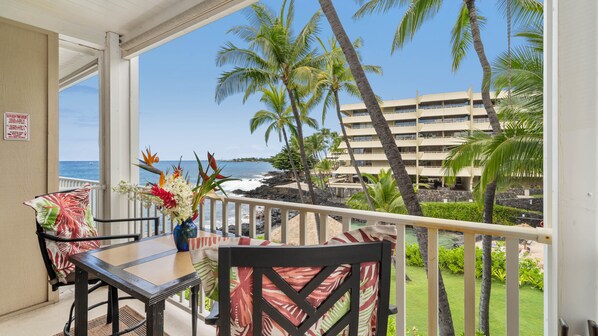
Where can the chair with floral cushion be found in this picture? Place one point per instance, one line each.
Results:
(342, 288)
(64, 226)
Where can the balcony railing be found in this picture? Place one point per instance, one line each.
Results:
(216, 215)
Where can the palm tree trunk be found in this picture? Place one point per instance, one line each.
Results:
(310, 184)
(351, 155)
(392, 154)
(302, 146)
(286, 141)
(486, 286)
(490, 193)
(479, 48)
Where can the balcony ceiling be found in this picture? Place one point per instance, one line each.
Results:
(142, 24)
(89, 20)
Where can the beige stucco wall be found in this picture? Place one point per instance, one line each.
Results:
(28, 84)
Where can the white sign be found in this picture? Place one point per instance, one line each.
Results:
(16, 126)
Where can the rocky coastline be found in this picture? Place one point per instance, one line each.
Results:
(271, 190)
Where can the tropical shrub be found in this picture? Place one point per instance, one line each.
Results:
(281, 160)
(470, 212)
(463, 211)
(384, 194)
(452, 260)
(412, 256)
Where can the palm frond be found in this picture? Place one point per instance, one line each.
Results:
(241, 80)
(375, 6)
(467, 154)
(418, 12)
(523, 12)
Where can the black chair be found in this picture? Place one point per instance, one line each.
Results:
(264, 258)
(593, 328)
(112, 301)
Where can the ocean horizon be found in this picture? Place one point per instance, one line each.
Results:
(250, 175)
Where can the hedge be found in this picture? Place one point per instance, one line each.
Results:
(452, 260)
(471, 212)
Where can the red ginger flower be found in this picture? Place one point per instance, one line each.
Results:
(166, 196)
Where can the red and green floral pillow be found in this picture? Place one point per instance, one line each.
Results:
(204, 253)
(65, 215)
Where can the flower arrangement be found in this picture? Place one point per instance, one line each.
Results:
(174, 195)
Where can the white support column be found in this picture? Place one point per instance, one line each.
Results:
(119, 126)
(571, 163)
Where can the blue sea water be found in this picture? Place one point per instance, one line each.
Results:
(249, 174)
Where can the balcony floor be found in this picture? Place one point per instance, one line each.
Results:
(50, 319)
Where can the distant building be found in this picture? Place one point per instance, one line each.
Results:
(425, 127)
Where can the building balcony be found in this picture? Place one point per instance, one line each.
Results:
(34, 67)
(362, 144)
(448, 141)
(445, 126)
(479, 111)
(376, 157)
(433, 155)
(482, 126)
(374, 170)
(358, 119)
(365, 157)
(393, 128)
(394, 116)
(360, 131)
(447, 111)
(408, 129)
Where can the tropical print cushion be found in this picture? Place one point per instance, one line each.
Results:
(204, 255)
(65, 215)
(205, 259)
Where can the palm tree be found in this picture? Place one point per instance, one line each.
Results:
(316, 144)
(520, 72)
(274, 54)
(383, 191)
(465, 33)
(278, 118)
(391, 150)
(334, 78)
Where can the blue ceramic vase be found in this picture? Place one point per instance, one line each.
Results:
(182, 233)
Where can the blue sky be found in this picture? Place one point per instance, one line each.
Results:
(178, 113)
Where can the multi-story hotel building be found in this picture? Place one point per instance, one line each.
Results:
(425, 127)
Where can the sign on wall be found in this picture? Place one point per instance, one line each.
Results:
(16, 126)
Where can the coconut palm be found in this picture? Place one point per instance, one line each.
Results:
(325, 166)
(522, 115)
(465, 34)
(316, 144)
(334, 78)
(513, 155)
(274, 55)
(404, 182)
(383, 191)
(278, 118)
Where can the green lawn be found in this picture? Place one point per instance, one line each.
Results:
(530, 304)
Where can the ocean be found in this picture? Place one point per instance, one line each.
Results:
(250, 175)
